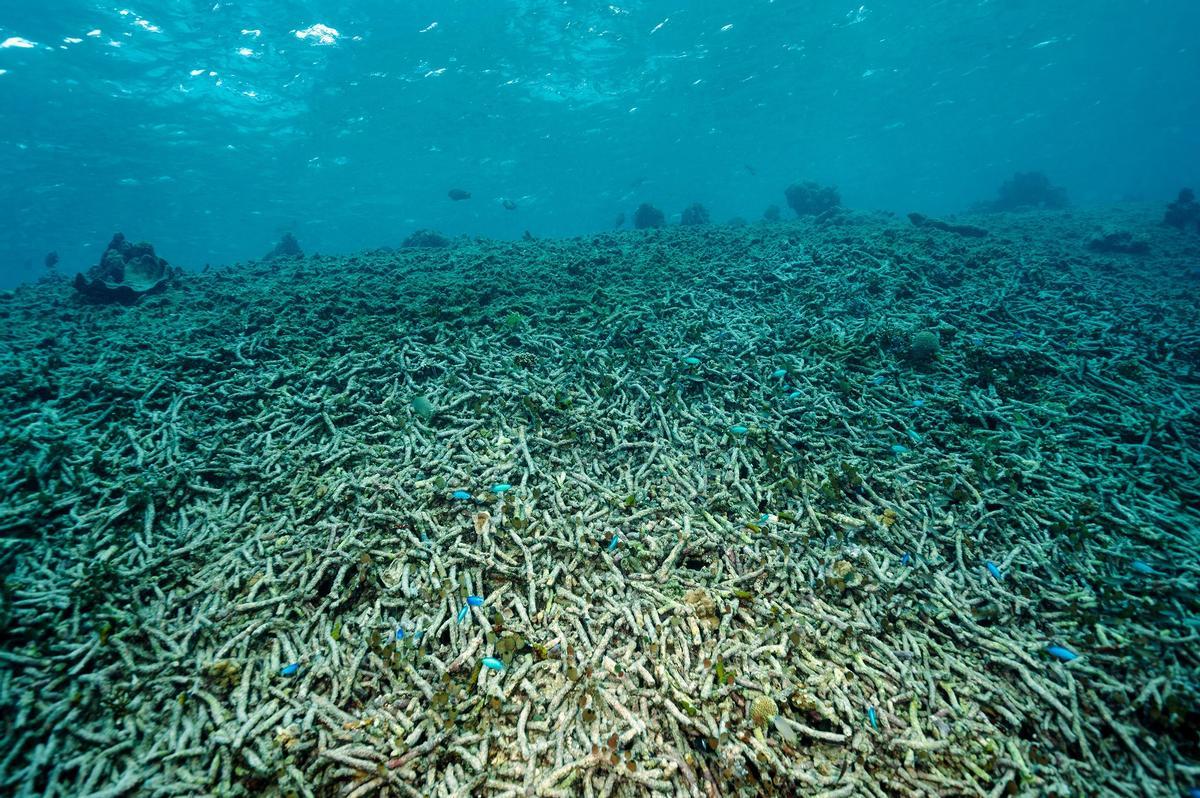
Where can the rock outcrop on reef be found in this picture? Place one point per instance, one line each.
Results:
(648, 216)
(968, 230)
(811, 199)
(1184, 211)
(1026, 191)
(1121, 242)
(126, 272)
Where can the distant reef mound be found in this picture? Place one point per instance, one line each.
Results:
(807, 198)
(126, 273)
(1184, 211)
(426, 239)
(288, 247)
(647, 216)
(1026, 191)
(694, 214)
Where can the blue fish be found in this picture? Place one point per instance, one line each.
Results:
(493, 663)
(289, 670)
(994, 570)
(1143, 568)
(475, 601)
(914, 436)
(794, 394)
(738, 429)
(905, 558)
(899, 448)
(1193, 792)
(462, 614)
(880, 380)
(460, 495)
(918, 402)
(872, 717)
(1064, 654)
(501, 487)
(692, 361)
(764, 518)
(613, 543)
(779, 373)
(400, 633)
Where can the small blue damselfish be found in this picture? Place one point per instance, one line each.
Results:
(289, 670)
(493, 663)
(1064, 654)
(461, 495)
(475, 601)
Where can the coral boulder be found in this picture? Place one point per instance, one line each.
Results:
(126, 272)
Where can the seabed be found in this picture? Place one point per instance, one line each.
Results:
(836, 508)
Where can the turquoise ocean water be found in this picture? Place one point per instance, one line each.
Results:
(212, 127)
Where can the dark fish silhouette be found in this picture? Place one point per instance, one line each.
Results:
(750, 169)
(508, 204)
(620, 220)
(457, 194)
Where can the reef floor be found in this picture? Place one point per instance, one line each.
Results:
(849, 508)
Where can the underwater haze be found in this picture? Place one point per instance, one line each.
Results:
(210, 128)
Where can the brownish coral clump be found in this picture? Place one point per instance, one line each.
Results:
(701, 604)
(763, 710)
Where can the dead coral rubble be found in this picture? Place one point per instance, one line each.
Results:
(239, 560)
